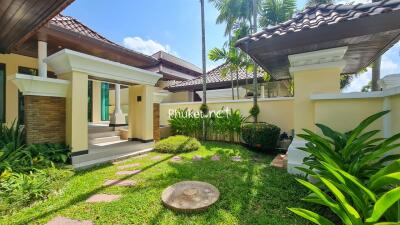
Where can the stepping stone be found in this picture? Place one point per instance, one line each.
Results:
(59, 220)
(236, 158)
(103, 198)
(122, 183)
(176, 159)
(280, 161)
(128, 166)
(215, 158)
(128, 172)
(197, 158)
(157, 157)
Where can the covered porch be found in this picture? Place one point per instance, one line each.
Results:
(69, 94)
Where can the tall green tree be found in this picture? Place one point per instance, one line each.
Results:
(204, 107)
(274, 12)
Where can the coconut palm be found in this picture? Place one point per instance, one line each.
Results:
(276, 11)
(204, 108)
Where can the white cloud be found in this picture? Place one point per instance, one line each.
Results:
(359, 82)
(147, 47)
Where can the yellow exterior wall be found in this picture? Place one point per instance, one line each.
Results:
(345, 114)
(140, 118)
(274, 111)
(124, 100)
(182, 96)
(76, 111)
(12, 62)
(395, 113)
(96, 101)
(309, 82)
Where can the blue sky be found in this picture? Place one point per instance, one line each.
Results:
(172, 26)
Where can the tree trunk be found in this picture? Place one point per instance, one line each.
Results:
(255, 64)
(237, 83)
(233, 89)
(376, 74)
(203, 50)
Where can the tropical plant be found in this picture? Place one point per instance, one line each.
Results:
(354, 202)
(261, 135)
(177, 144)
(358, 153)
(274, 12)
(204, 66)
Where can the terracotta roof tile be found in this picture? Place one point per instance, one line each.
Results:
(322, 15)
(215, 76)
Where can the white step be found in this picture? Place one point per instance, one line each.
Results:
(104, 140)
(93, 135)
(95, 129)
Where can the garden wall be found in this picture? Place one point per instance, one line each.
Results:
(278, 111)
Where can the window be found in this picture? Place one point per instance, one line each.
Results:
(2, 93)
(104, 101)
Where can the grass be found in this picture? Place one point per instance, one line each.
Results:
(252, 192)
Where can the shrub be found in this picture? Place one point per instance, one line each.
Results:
(226, 125)
(262, 134)
(354, 179)
(20, 189)
(177, 144)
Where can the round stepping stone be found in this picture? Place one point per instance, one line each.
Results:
(128, 166)
(197, 158)
(103, 198)
(236, 158)
(157, 157)
(215, 158)
(128, 172)
(190, 196)
(59, 220)
(176, 159)
(122, 183)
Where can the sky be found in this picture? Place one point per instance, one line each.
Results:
(174, 26)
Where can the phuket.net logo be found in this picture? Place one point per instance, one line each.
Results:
(174, 113)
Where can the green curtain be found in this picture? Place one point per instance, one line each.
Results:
(104, 101)
(90, 101)
(2, 93)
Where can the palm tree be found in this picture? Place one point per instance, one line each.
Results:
(316, 2)
(376, 74)
(204, 108)
(276, 11)
(255, 110)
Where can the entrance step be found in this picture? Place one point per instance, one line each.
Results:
(103, 154)
(93, 135)
(105, 139)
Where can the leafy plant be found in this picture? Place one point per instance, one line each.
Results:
(177, 144)
(352, 201)
(254, 111)
(263, 134)
(357, 152)
(353, 178)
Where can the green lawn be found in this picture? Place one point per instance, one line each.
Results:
(251, 192)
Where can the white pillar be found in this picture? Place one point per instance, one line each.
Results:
(117, 118)
(262, 91)
(42, 54)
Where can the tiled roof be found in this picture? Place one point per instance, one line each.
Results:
(214, 77)
(74, 25)
(71, 24)
(161, 55)
(322, 15)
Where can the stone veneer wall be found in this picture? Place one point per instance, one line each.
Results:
(44, 119)
(156, 121)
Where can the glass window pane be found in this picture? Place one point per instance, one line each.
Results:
(104, 101)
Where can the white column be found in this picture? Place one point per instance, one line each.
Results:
(42, 54)
(262, 91)
(117, 118)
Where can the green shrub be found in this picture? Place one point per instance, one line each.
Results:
(18, 189)
(261, 134)
(354, 179)
(177, 144)
(226, 125)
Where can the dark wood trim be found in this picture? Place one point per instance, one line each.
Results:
(4, 68)
(84, 152)
(140, 140)
(117, 125)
